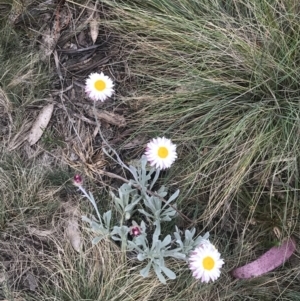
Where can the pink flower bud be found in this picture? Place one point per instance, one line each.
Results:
(135, 231)
(77, 180)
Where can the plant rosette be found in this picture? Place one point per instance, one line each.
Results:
(147, 241)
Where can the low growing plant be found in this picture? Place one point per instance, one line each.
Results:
(136, 200)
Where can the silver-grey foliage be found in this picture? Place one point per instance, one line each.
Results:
(127, 200)
(137, 196)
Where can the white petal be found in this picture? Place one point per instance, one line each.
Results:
(95, 94)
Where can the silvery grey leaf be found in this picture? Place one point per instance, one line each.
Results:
(141, 257)
(107, 218)
(170, 274)
(172, 197)
(157, 270)
(154, 179)
(145, 271)
(97, 239)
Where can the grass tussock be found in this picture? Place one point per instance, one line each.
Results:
(222, 80)
(23, 85)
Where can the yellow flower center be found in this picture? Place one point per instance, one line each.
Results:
(208, 263)
(162, 152)
(100, 85)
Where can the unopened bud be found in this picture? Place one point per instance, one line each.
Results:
(77, 180)
(135, 231)
(127, 215)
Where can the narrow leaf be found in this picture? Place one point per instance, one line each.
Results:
(170, 274)
(107, 218)
(161, 278)
(133, 171)
(97, 239)
(166, 241)
(172, 197)
(155, 178)
(145, 271)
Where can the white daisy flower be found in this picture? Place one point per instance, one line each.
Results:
(205, 262)
(99, 86)
(161, 152)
